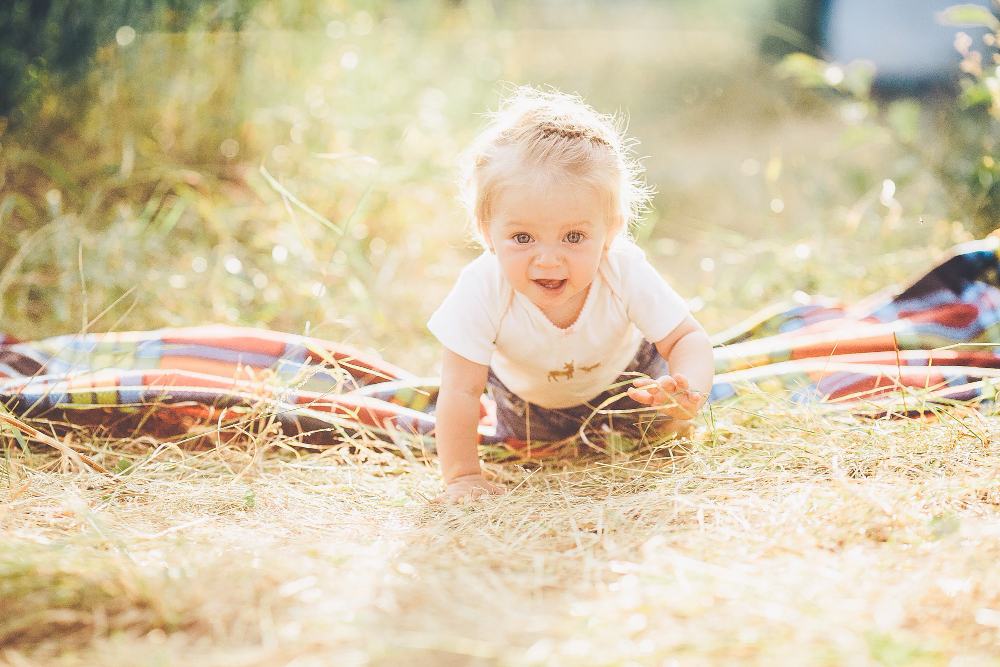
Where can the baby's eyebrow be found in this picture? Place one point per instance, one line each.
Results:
(585, 225)
(566, 225)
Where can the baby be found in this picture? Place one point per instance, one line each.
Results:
(562, 309)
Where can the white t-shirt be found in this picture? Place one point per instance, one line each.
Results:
(486, 321)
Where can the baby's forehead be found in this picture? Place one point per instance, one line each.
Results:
(519, 189)
(550, 204)
(529, 178)
(545, 179)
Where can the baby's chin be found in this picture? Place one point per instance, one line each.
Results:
(556, 294)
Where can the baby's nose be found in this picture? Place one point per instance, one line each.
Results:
(547, 259)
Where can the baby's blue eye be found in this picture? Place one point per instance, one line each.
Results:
(522, 238)
(574, 237)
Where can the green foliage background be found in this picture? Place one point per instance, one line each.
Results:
(291, 163)
(48, 44)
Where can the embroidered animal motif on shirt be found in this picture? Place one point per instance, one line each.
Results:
(566, 372)
(569, 369)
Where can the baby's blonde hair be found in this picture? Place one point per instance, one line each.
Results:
(561, 132)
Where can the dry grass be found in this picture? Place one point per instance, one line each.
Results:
(779, 536)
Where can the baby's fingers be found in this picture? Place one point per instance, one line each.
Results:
(645, 387)
(640, 396)
(644, 383)
(689, 403)
(682, 382)
(493, 490)
(462, 494)
(666, 384)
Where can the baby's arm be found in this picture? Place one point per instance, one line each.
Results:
(457, 416)
(688, 352)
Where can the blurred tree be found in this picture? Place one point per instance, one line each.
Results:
(47, 43)
(795, 26)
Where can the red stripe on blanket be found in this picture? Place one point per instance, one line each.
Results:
(952, 315)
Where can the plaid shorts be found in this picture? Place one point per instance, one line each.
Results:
(519, 420)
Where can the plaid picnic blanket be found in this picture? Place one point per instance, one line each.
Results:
(931, 343)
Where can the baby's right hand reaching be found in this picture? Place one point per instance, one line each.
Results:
(470, 487)
(672, 396)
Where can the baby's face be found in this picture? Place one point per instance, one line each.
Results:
(549, 237)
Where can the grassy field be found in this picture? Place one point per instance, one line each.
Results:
(302, 179)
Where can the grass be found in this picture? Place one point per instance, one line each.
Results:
(778, 535)
(783, 536)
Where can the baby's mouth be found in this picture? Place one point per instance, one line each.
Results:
(550, 284)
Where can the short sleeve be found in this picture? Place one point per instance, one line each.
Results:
(650, 302)
(466, 321)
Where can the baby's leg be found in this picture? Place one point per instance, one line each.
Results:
(520, 420)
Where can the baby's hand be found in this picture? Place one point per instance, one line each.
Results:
(671, 394)
(467, 488)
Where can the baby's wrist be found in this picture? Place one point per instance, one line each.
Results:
(465, 476)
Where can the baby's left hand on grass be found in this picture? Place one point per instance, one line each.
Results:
(671, 394)
(469, 488)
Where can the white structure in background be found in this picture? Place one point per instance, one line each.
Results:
(901, 37)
